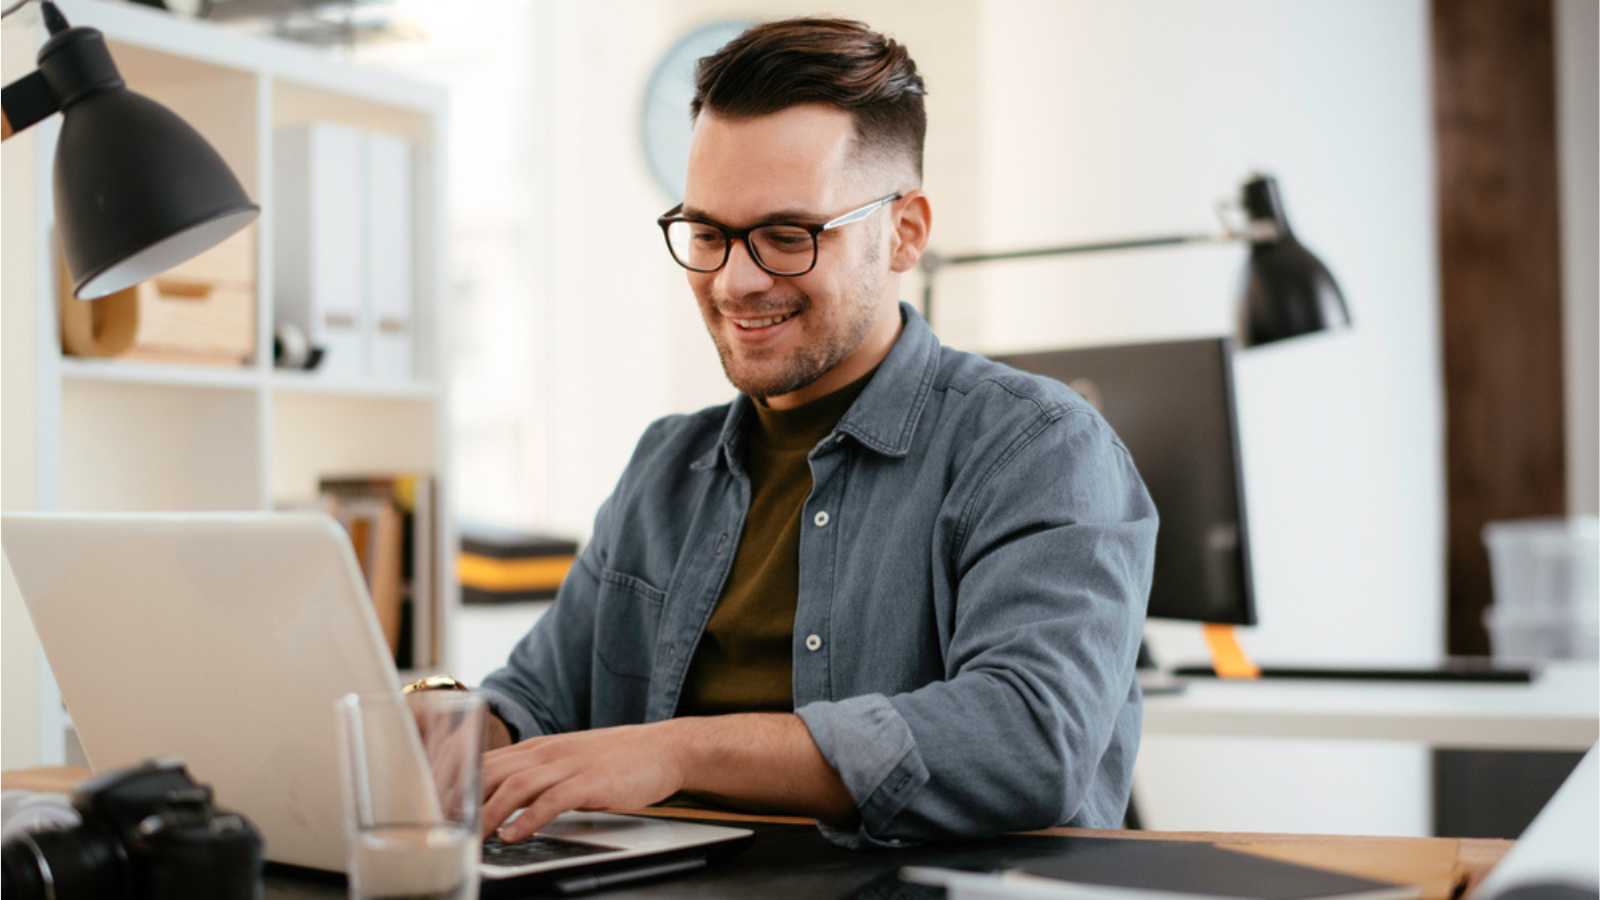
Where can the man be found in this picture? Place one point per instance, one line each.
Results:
(892, 586)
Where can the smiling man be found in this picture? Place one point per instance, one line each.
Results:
(892, 586)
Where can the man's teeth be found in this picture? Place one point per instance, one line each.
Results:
(762, 323)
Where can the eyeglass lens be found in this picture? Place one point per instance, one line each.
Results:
(780, 249)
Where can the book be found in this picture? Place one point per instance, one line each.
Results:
(500, 565)
(1138, 869)
(411, 497)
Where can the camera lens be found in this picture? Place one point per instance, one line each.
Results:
(66, 864)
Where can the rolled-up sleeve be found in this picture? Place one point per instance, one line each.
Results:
(1050, 555)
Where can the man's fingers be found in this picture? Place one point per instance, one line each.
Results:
(518, 790)
(567, 795)
(499, 768)
(500, 764)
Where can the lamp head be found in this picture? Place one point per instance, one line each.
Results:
(137, 190)
(1288, 292)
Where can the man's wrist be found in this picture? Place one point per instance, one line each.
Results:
(686, 747)
(496, 733)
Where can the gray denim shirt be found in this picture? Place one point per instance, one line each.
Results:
(974, 570)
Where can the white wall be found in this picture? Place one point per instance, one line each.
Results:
(1124, 119)
(1578, 99)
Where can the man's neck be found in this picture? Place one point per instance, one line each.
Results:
(874, 348)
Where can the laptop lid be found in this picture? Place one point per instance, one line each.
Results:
(220, 638)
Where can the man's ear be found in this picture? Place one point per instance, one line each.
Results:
(913, 218)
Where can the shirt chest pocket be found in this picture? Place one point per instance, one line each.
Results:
(626, 620)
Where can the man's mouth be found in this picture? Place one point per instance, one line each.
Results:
(756, 324)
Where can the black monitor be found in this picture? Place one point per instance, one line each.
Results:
(1172, 403)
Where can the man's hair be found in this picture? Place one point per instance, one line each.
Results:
(844, 64)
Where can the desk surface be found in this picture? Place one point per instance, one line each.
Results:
(1559, 710)
(789, 859)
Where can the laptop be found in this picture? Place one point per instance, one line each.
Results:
(224, 639)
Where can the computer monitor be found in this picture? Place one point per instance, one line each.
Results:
(1172, 403)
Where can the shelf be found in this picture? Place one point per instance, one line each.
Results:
(175, 375)
(311, 383)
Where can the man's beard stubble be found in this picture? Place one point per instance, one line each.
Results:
(810, 362)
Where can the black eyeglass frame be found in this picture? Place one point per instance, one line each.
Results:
(729, 235)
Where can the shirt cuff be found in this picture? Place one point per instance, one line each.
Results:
(869, 744)
(518, 720)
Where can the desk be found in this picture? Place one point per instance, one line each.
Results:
(1560, 710)
(789, 859)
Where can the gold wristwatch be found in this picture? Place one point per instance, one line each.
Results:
(434, 683)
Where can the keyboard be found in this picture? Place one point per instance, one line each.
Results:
(537, 850)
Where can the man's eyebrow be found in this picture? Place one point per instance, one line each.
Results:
(791, 214)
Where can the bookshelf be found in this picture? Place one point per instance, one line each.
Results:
(117, 435)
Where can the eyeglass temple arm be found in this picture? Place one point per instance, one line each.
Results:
(859, 214)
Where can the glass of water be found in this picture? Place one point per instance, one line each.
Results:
(412, 776)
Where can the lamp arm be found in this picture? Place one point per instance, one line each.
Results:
(29, 99)
(25, 102)
(931, 262)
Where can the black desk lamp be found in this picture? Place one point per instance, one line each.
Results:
(1288, 292)
(137, 190)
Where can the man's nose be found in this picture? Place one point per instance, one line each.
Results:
(741, 276)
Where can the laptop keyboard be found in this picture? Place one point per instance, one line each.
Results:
(537, 850)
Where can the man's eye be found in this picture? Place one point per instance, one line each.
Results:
(788, 241)
(706, 235)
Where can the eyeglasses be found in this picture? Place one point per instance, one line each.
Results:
(781, 248)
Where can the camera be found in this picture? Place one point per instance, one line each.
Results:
(148, 833)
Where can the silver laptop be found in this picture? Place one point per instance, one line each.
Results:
(224, 639)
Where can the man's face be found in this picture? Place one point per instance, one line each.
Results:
(796, 164)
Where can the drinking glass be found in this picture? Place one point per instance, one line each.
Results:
(412, 771)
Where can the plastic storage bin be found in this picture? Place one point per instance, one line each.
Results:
(1546, 575)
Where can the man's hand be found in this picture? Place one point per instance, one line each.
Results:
(765, 761)
(609, 768)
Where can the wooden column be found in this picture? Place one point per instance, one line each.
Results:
(1500, 268)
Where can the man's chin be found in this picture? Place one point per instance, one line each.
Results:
(766, 384)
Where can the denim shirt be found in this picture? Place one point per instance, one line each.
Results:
(974, 571)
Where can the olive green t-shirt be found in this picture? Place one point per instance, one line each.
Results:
(744, 662)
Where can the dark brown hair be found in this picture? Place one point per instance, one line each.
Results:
(841, 63)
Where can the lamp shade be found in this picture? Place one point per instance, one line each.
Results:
(1288, 292)
(137, 190)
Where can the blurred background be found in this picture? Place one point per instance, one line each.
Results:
(1440, 157)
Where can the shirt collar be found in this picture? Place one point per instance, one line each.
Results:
(883, 419)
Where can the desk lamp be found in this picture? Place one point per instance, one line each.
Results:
(1288, 292)
(137, 190)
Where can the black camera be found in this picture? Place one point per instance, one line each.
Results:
(148, 833)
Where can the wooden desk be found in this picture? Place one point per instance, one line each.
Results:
(1445, 868)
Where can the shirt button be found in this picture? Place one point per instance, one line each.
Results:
(813, 643)
(821, 519)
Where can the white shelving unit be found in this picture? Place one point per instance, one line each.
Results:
(117, 435)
